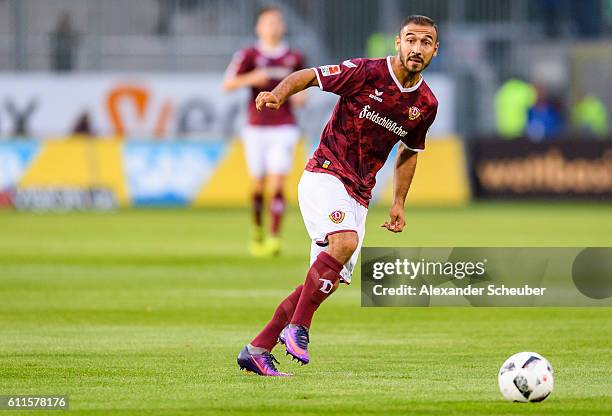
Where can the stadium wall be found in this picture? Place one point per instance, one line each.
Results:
(80, 173)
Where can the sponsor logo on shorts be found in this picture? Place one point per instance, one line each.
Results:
(337, 217)
(328, 70)
(413, 113)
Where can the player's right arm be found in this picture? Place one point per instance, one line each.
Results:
(242, 72)
(292, 84)
(255, 78)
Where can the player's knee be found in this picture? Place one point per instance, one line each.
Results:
(258, 185)
(343, 245)
(335, 286)
(348, 243)
(276, 182)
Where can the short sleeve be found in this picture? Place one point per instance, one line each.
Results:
(345, 79)
(415, 139)
(241, 63)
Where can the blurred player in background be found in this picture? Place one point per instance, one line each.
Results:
(382, 101)
(270, 135)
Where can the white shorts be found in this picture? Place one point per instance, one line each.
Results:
(327, 209)
(269, 149)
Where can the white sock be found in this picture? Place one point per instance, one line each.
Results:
(255, 350)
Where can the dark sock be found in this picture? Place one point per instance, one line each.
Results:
(322, 276)
(277, 208)
(257, 211)
(268, 337)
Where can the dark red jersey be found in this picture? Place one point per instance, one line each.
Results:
(373, 113)
(278, 64)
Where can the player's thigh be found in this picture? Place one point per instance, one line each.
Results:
(281, 143)
(253, 140)
(325, 206)
(327, 209)
(361, 214)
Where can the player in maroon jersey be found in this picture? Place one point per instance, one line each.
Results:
(271, 134)
(382, 101)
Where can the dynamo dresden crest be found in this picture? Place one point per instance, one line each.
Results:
(413, 113)
(337, 216)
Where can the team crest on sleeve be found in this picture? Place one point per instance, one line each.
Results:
(328, 70)
(336, 216)
(414, 113)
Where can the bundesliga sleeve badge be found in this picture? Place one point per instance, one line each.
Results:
(337, 217)
(328, 70)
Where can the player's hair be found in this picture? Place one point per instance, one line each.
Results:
(267, 9)
(419, 20)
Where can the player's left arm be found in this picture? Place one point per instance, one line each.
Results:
(405, 165)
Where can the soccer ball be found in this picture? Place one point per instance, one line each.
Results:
(526, 377)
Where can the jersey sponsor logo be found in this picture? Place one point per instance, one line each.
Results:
(328, 70)
(337, 217)
(290, 60)
(349, 64)
(376, 95)
(261, 61)
(277, 72)
(414, 113)
(385, 122)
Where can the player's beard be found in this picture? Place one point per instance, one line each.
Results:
(405, 61)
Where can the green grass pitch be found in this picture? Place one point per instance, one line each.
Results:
(144, 312)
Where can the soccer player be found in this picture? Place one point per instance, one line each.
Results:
(382, 101)
(270, 134)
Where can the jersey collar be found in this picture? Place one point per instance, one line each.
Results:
(399, 85)
(277, 52)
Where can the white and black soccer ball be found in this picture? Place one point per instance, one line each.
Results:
(526, 377)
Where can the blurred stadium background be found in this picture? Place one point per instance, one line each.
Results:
(108, 103)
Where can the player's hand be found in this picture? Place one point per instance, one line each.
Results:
(266, 99)
(396, 223)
